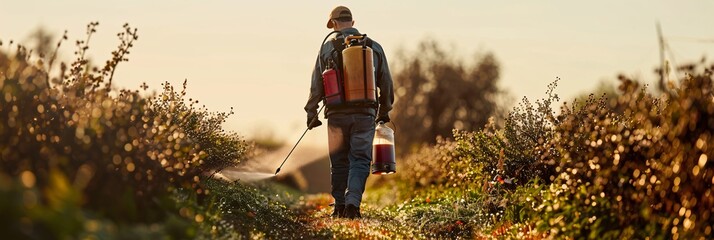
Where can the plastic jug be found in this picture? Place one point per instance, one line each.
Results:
(383, 154)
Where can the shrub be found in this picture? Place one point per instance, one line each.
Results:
(632, 167)
(258, 211)
(428, 166)
(470, 179)
(640, 173)
(512, 153)
(74, 144)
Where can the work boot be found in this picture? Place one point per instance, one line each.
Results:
(339, 211)
(352, 212)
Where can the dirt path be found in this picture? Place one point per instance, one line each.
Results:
(308, 215)
(315, 213)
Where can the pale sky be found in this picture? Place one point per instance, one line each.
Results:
(257, 56)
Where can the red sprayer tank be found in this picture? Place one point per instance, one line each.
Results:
(383, 154)
(332, 87)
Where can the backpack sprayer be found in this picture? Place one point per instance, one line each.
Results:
(348, 81)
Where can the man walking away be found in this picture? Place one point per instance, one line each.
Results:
(351, 127)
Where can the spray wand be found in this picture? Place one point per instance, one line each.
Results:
(318, 112)
(303, 134)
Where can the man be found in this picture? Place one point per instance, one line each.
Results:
(351, 128)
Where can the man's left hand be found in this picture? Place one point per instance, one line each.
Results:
(384, 119)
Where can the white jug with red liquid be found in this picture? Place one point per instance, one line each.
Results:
(383, 154)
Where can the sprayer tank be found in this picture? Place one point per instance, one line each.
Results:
(358, 69)
(331, 86)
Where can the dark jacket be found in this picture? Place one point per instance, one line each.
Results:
(382, 75)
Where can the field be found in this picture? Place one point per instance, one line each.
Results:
(80, 159)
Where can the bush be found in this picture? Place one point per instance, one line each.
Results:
(73, 149)
(632, 167)
(640, 173)
(429, 166)
(258, 211)
(469, 180)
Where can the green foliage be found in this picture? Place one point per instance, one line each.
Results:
(426, 167)
(219, 148)
(470, 179)
(525, 133)
(641, 173)
(636, 166)
(77, 156)
(509, 154)
(258, 211)
(21, 208)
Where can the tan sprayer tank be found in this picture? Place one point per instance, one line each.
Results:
(358, 70)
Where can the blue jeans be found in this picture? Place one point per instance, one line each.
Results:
(350, 138)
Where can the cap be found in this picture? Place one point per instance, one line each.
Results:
(338, 12)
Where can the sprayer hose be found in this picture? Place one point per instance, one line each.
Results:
(322, 44)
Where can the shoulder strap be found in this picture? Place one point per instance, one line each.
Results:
(336, 54)
(369, 42)
(337, 45)
(378, 66)
(378, 56)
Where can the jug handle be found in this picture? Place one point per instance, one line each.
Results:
(394, 126)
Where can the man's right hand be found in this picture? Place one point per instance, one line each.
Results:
(313, 124)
